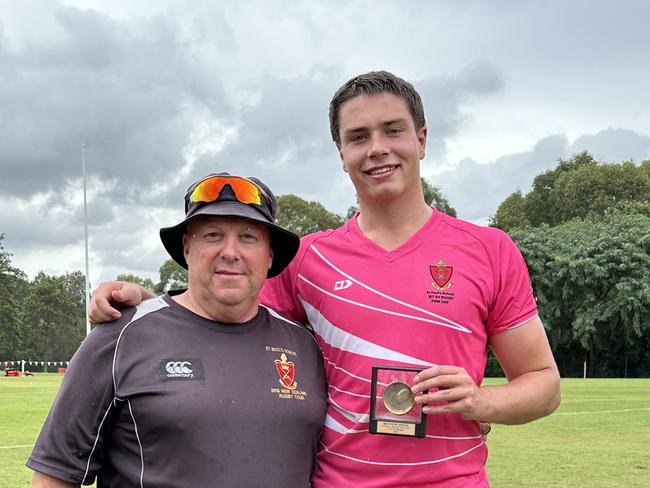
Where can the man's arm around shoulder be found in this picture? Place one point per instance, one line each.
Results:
(112, 296)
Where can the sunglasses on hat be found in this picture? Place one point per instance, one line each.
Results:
(245, 191)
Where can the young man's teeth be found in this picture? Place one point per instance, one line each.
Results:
(381, 170)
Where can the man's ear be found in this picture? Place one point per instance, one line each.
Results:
(422, 140)
(338, 146)
(271, 258)
(186, 245)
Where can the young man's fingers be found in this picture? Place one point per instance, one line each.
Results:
(100, 310)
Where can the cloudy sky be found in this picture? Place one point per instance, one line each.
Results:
(163, 92)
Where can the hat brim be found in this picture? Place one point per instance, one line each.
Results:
(284, 243)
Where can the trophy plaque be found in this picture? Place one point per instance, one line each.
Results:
(393, 410)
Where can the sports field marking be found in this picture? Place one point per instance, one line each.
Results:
(604, 411)
(17, 447)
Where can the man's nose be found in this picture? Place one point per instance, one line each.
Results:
(230, 249)
(378, 146)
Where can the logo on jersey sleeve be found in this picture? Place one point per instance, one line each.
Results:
(187, 369)
(342, 285)
(287, 371)
(441, 274)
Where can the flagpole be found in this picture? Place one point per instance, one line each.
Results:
(83, 165)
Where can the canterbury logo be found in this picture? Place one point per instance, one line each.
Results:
(179, 367)
(342, 285)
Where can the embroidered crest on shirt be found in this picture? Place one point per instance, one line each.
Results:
(287, 372)
(441, 274)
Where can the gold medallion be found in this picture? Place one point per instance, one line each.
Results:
(398, 398)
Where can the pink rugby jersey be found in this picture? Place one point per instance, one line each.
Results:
(434, 300)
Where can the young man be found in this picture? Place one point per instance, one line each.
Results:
(204, 388)
(402, 284)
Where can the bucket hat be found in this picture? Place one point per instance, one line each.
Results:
(223, 194)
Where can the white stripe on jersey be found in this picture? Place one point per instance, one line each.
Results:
(382, 310)
(334, 365)
(356, 417)
(146, 307)
(278, 315)
(99, 430)
(143, 309)
(449, 322)
(433, 461)
(337, 427)
(137, 436)
(345, 341)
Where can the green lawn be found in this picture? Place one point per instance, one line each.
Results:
(24, 403)
(598, 438)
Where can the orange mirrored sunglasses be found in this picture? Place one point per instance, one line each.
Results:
(245, 190)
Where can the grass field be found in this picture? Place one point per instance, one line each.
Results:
(598, 438)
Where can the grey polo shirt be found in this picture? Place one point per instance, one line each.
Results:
(165, 398)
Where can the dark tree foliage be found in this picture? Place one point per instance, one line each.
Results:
(303, 217)
(131, 278)
(577, 188)
(172, 277)
(435, 198)
(54, 316)
(511, 214)
(12, 288)
(592, 282)
(40, 320)
(584, 229)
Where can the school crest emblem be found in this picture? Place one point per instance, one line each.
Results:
(287, 372)
(441, 274)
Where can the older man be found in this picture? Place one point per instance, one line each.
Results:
(204, 388)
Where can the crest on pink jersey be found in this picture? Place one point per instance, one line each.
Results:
(441, 274)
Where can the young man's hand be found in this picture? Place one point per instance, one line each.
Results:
(112, 296)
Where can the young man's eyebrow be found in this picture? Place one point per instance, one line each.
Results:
(401, 120)
(361, 128)
(386, 123)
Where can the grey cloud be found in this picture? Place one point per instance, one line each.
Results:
(131, 243)
(614, 145)
(444, 98)
(284, 138)
(34, 231)
(476, 190)
(131, 90)
(127, 91)
(480, 78)
(54, 222)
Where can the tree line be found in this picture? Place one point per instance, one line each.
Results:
(584, 231)
(583, 228)
(41, 319)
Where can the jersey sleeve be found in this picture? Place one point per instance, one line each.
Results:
(70, 445)
(513, 302)
(279, 292)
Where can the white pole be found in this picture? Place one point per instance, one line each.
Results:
(83, 165)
